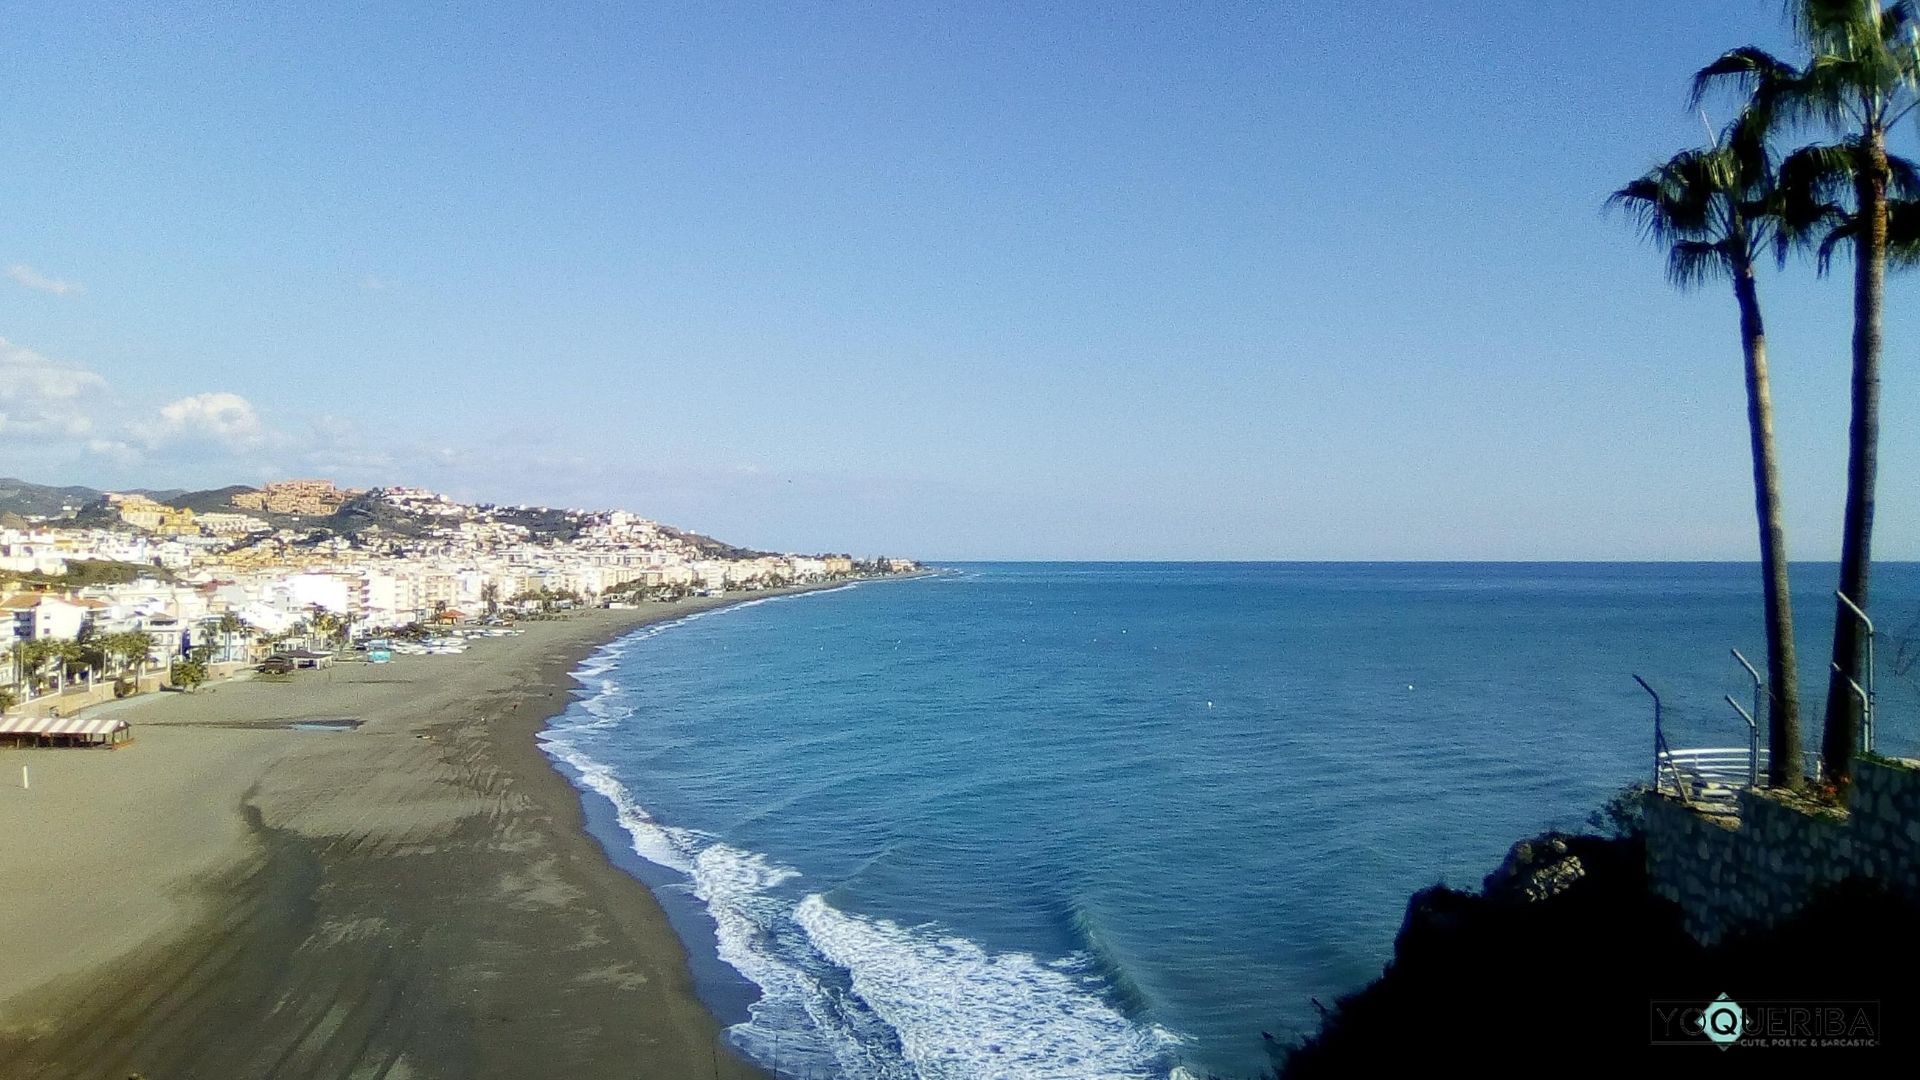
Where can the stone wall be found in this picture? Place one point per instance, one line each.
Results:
(1766, 865)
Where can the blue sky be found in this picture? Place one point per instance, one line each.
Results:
(1283, 280)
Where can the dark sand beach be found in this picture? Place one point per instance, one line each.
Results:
(231, 896)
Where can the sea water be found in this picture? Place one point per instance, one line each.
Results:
(1118, 820)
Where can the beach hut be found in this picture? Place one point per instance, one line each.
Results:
(64, 731)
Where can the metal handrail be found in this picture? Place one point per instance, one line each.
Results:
(1867, 698)
(1720, 756)
(1711, 776)
(1759, 694)
(1866, 707)
(1753, 742)
(1708, 769)
(1661, 751)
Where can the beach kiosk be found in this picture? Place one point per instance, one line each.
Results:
(64, 731)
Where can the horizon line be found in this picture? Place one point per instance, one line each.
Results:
(1755, 561)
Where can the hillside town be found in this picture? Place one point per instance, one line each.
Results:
(307, 567)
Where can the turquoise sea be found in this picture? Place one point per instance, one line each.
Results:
(1117, 820)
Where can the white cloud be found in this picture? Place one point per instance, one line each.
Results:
(223, 419)
(34, 279)
(42, 397)
(26, 375)
(116, 450)
(57, 416)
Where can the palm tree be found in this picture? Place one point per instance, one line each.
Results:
(73, 658)
(137, 648)
(29, 663)
(128, 649)
(1863, 78)
(229, 627)
(1713, 210)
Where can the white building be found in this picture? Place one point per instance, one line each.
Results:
(39, 616)
(302, 592)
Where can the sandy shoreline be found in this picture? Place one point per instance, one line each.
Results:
(233, 897)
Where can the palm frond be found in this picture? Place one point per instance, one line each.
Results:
(1900, 28)
(1865, 68)
(1804, 226)
(1714, 209)
(1903, 178)
(1835, 25)
(1903, 234)
(1808, 202)
(1830, 89)
(1819, 172)
(1753, 73)
(1840, 236)
(1669, 202)
(1650, 213)
(1692, 263)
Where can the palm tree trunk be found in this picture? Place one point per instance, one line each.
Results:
(1839, 740)
(1783, 679)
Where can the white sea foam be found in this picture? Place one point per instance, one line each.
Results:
(795, 1023)
(963, 1012)
(801, 1023)
(656, 843)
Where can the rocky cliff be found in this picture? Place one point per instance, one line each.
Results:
(1557, 965)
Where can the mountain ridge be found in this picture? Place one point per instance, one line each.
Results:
(358, 514)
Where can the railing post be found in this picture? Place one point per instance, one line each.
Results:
(1659, 739)
(1753, 742)
(1866, 707)
(1759, 694)
(1867, 700)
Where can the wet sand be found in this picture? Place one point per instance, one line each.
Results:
(232, 897)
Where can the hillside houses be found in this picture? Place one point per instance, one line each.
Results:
(402, 556)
